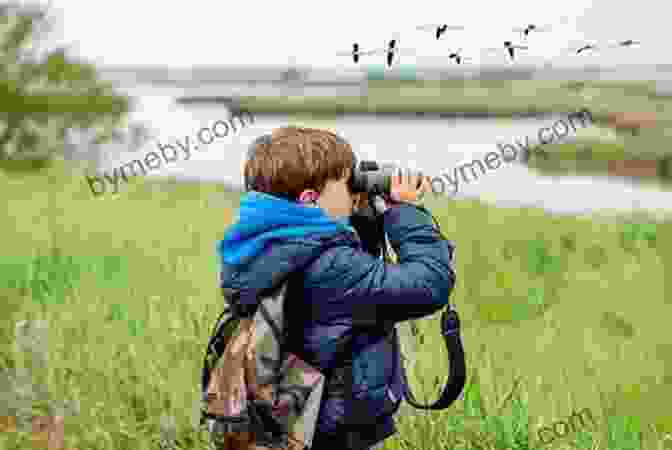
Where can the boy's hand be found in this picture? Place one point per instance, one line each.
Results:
(408, 187)
(404, 188)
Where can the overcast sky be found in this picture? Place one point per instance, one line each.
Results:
(216, 32)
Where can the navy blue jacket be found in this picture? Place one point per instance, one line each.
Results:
(344, 291)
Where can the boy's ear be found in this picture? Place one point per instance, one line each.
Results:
(309, 196)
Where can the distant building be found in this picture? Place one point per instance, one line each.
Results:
(292, 75)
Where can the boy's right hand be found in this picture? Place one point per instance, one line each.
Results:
(404, 188)
(408, 187)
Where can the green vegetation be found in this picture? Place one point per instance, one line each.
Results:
(559, 314)
(485, 97)
(598, 151)
(43, 95)
(597, 158)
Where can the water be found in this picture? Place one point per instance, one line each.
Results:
(434, 145)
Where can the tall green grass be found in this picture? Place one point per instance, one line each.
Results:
(559, 314)
(489, 97)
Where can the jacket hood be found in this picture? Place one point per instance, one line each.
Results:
(272, 237)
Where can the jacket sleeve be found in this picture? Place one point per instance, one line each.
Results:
(373, 291)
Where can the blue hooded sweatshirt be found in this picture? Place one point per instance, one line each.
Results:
(342, 291)
(264, 219)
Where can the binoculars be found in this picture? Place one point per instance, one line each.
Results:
(373, 178)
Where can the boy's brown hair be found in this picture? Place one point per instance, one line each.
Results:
(295, 159)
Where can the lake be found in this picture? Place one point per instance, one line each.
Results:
(434, 145)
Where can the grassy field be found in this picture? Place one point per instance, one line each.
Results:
(480, 97)
(127, 286)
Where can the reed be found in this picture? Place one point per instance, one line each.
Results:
(559, 314)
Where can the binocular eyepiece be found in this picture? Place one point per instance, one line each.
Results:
(370, 177)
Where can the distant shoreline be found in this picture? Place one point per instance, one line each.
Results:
(459, 99)
(417, 114)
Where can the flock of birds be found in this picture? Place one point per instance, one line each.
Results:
(439, 30)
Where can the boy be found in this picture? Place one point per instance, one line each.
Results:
(300, 195)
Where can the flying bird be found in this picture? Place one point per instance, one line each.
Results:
(627, 43)
(356, 52)
(510, 48)
(578, 47)
(531, 27)
(439, 29)
(457, 57)
(585, 48)
(389, 51)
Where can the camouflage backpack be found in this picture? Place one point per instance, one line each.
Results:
(256, 394)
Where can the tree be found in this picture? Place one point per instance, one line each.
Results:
(42, 96)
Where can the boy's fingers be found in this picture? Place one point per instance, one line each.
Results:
(423, 188)
(395, 179)
(417, 181)
(407, 185)
(425, 185)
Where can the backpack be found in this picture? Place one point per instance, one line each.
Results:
(256, 395)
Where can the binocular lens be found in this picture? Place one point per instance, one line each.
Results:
(368, 166)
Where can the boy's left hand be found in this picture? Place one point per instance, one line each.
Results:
(408, 186)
